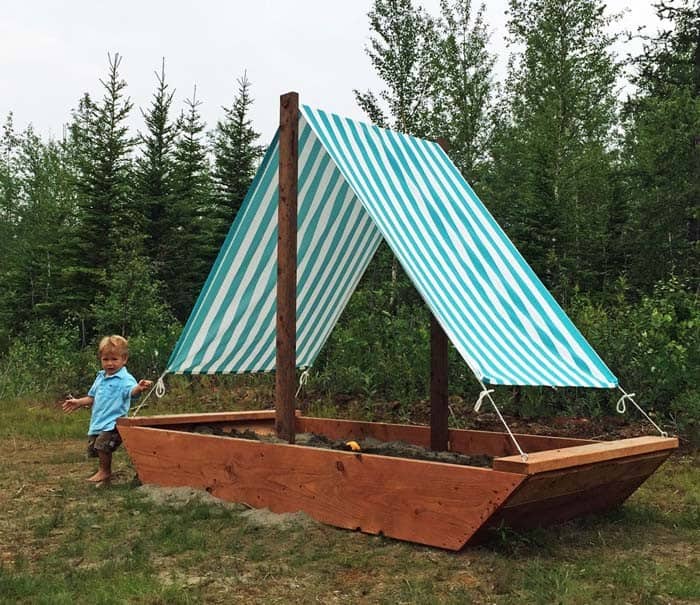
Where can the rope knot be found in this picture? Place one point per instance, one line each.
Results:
(621, 406)
(160, 388)
(482, 395)
(303, 379)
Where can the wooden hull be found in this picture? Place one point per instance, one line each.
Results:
(433, 503)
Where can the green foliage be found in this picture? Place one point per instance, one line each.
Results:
(463, 91)
(662, 151)
(404, 52)
(550, 181)
(376, 354)
(36, 214)
(107, 217)
(190, 246)
(652, 345)
(130, 302)
(47, 360)
(149, 351)
(236, 156)
(154, 171)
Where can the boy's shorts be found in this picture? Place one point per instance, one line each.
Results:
(106, 441)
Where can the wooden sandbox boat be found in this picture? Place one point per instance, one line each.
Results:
(339, 188)
(433, 503)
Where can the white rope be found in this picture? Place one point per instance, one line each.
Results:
(621, 408)
(303, 379)
(477, 406)
(158, 387)
(484, 393)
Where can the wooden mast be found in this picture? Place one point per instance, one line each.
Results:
(439, 430)
(285, 376)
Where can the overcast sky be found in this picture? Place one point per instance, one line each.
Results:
(51, 52)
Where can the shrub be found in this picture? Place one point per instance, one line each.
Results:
(372, 353)
(47, 360)
(651, 344)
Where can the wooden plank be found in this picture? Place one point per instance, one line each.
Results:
(578, 479)
(562, 508)
(352, 429)
(500, 444)
(539, 462)
(439, 429)
(426, 502)
(461, 441)
(208, 418)
(285, 369)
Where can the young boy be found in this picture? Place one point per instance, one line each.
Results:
(110, 397)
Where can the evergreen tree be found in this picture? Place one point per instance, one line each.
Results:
(105, 177)
(236, 157)
(663, 150)
(154, 170)
(552, 167)
(110, 223)
(190, 246)
(34, 234)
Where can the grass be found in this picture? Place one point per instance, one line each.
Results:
(63, 541)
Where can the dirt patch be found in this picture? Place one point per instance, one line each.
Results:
(179, 497)
(264, 517)
(395, 449)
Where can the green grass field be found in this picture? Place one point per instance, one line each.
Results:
(64, 541)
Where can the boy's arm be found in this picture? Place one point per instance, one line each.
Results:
(71, 403)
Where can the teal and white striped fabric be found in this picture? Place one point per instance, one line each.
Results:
(357, 184)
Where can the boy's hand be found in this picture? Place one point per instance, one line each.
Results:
(144, 385)
(71, 404)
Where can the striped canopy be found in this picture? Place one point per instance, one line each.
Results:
(357, 184)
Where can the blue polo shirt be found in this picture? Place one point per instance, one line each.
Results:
(112, 396)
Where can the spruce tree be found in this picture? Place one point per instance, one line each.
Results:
(105, 176)
(110, 223)
(190, 247)
(662, 145)
(154, 169)
(236, 157)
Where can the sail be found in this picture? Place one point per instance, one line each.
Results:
(357, 184)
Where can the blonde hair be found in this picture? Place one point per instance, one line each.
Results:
(115, 343)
